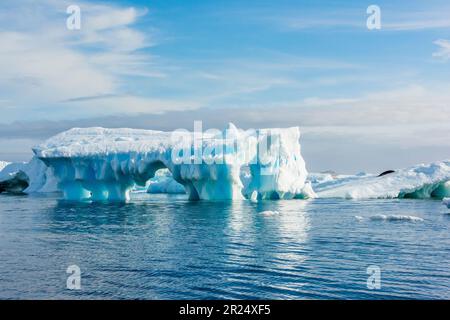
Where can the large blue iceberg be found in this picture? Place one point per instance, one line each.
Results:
(106, 164)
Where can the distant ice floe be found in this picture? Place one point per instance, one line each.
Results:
(382, 217)
(420, 182)
(446, 202)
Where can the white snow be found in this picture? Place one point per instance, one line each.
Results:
(421, 181)
(327, 180)
(99, 163)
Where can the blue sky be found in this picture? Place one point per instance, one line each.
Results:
(364, 99)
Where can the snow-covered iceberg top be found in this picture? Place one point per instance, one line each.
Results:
(96, 142)
(105, 164)
(421, 181)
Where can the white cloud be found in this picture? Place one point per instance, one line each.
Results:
(100, 17)
(43, 63)
(443, 50)
(410, 105)
(393, 18)
(111, 28)
(46, 71)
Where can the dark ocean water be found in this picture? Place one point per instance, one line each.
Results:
(165, 247)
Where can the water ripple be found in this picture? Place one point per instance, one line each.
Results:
(165, 247)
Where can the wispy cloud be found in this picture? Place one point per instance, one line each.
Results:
(50, 63)
(417, 24)
(443, 51)
(393, 18)
(413, 105)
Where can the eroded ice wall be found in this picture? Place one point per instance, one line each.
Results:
(105, 164)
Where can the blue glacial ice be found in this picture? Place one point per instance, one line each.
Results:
(163, 182)
(107, 164)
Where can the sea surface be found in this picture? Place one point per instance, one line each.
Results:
(165, 247)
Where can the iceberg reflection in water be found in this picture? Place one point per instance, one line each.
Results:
(166, 247)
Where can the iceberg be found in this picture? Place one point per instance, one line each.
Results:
(420, 182)
(446, 202)
(106, 164)
(27, 177)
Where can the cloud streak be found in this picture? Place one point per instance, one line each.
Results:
(336, 18)
(443, 51)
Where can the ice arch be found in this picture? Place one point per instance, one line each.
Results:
(105, 164)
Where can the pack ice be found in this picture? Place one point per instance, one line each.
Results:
(420, 182)
(106, 164)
